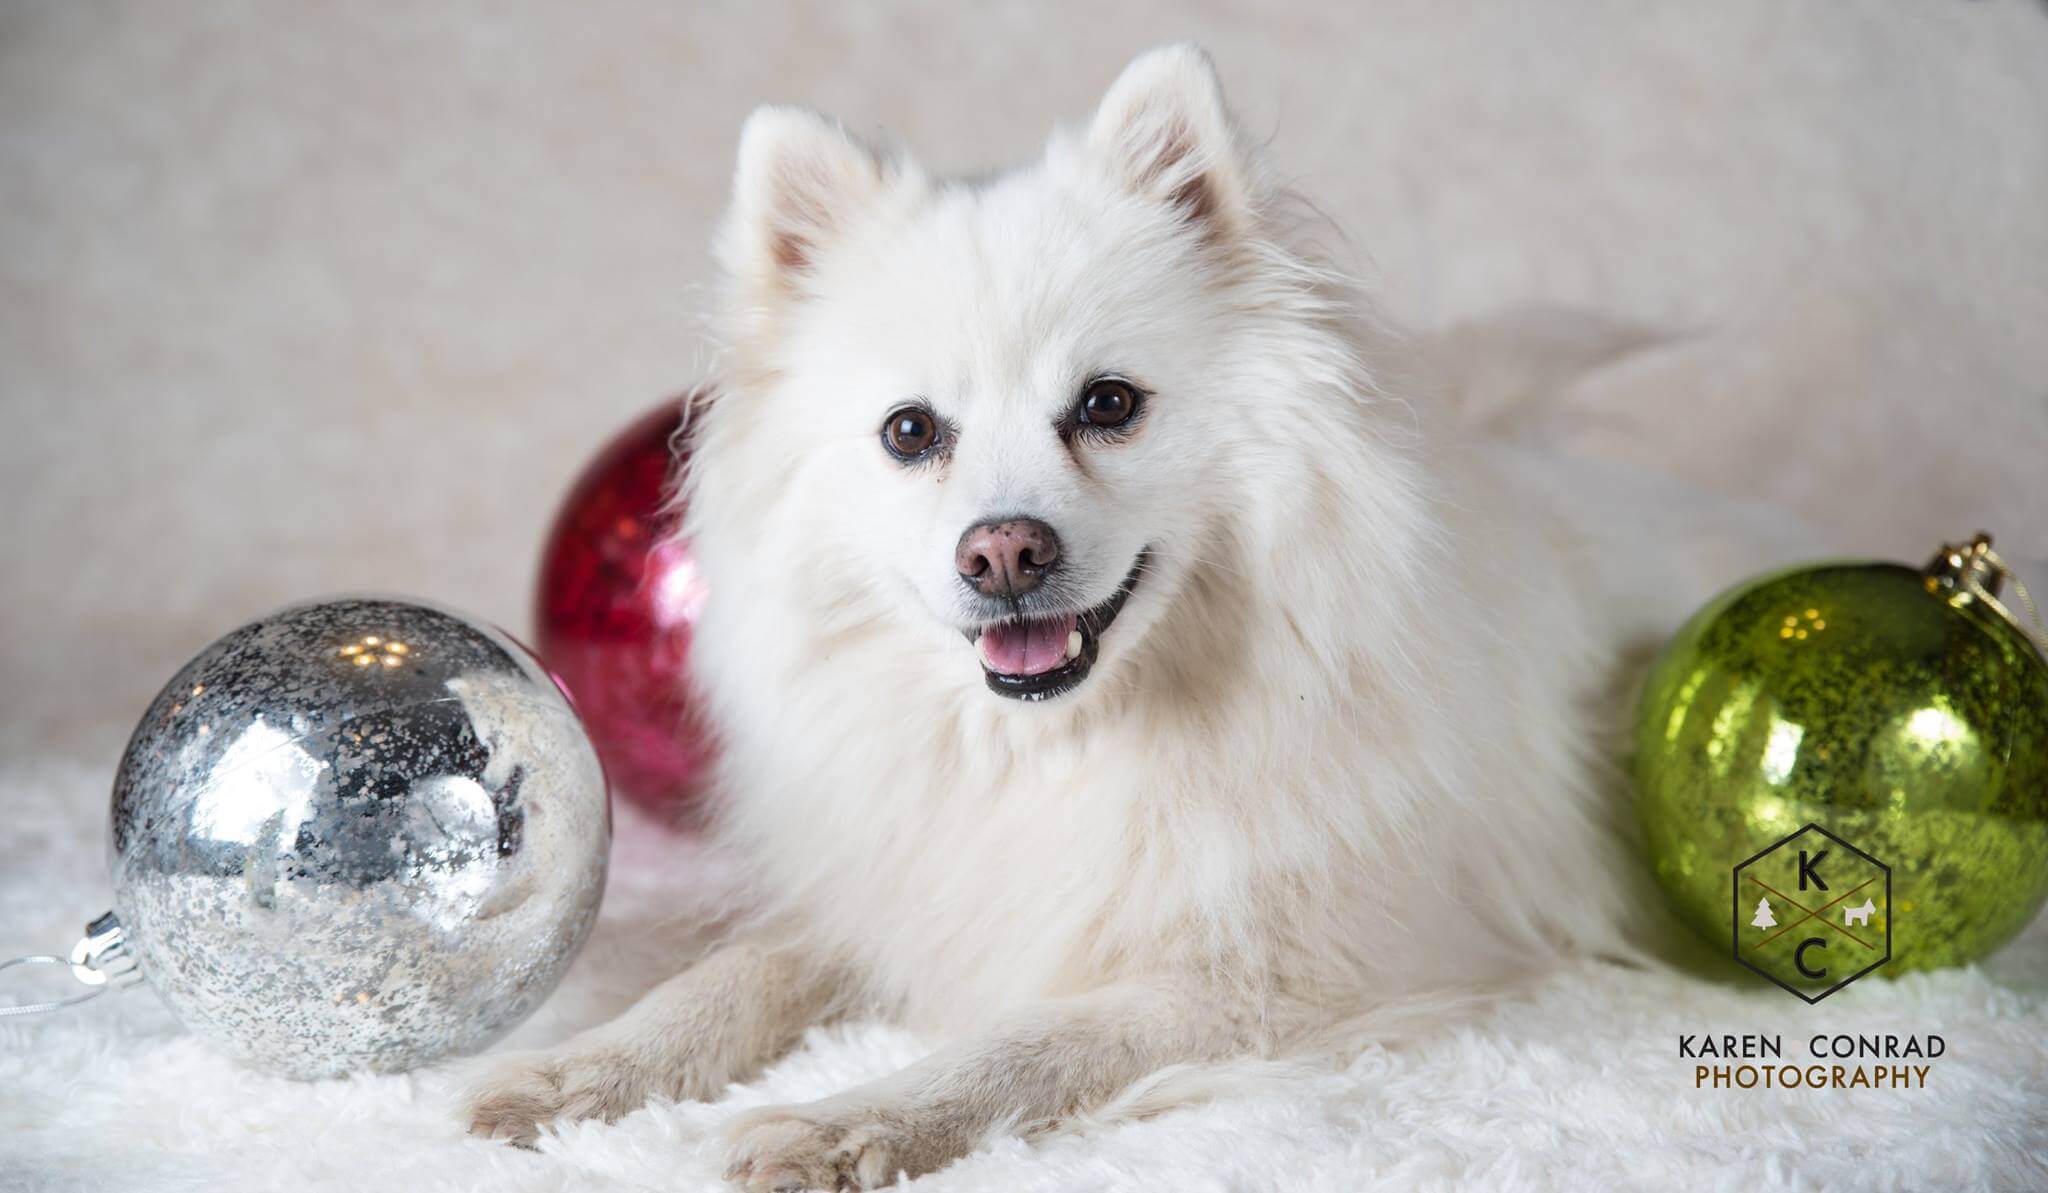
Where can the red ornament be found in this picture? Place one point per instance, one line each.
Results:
(617, 598)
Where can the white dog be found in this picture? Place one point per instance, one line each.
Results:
(1111, 673)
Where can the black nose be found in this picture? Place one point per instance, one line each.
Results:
(1006, 559)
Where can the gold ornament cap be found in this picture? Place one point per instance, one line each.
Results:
(1972, 573)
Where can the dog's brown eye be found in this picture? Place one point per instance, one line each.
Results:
(910, 432)
(1108, 402)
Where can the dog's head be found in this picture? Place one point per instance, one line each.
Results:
(1016, 409)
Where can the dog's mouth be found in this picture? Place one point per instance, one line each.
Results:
(1038, 658)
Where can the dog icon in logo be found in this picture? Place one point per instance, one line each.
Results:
(1812, 913)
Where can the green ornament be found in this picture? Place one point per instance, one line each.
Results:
(1904, 711)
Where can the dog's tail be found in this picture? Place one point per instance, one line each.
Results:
(1521, 371)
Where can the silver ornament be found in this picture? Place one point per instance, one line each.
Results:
(356, 834)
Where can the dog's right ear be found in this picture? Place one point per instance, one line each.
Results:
(1165, 133)
(801, 177)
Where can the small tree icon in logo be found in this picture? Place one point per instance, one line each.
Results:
(1764, 918)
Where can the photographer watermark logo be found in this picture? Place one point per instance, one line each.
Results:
(1813, 913)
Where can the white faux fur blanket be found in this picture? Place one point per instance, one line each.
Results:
(1573, 1081)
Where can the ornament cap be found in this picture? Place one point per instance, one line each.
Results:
(1966, 568)
(1972, 573)
(102, 954)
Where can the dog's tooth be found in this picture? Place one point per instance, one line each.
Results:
(1073, 644)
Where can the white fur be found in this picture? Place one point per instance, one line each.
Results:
(1345, 742)
(1571, 1083)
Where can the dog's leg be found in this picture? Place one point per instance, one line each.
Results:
(735, 1010)
(1049, 1061)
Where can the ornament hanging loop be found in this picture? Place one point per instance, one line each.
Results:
(1972, 571)
(92, 990)
(100, 961)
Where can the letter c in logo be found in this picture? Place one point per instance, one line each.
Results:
(1799, 957)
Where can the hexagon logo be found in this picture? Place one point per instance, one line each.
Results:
(1812, 913)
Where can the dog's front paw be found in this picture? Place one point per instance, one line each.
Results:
(518, 1094)
(833, 1144)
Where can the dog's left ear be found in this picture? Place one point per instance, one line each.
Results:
(1164, 132)
(801, 179)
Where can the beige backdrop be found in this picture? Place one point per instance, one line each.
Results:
(297, 299)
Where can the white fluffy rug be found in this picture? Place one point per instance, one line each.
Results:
(1573, 1081)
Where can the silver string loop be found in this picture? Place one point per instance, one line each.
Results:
(92, 989)
(99, 961)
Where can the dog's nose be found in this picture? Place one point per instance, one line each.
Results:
(1006, 559)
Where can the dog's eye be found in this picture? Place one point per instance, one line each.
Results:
(1107, 403)
(910, 432)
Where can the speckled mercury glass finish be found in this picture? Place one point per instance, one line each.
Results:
(357, 834)
(1853, 696)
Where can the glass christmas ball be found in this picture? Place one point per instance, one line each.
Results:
(356, 834)
(618, 595)
(1903, 710)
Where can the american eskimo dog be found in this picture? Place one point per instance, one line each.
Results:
(1115, 672)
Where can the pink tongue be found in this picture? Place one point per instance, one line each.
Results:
(1027, 647)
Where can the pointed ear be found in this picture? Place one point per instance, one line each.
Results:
(1163, 131)
(800, 179)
